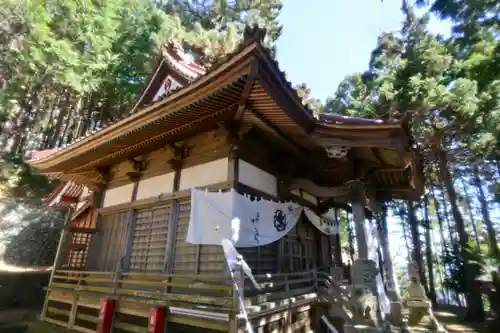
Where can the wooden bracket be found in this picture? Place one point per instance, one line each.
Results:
(105, 174)
(138, 165)
(234, 132)
(179, 152)
(134, 176)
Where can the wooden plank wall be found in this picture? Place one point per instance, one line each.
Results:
(111, 243)
(302, 249)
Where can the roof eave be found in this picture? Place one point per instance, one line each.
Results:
(147, 114)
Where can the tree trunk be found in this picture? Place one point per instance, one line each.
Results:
(48, 130)
(492, 238)
(63, 111)
(392, 282)
(405, 234)
(475, 308)
(416, 253)
(440, 221)
(471, 215)
(428, 254)
(451, 230)
(444, 245)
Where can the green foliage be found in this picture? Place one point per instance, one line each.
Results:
(17, 180)
(69, 67)
(36, 242)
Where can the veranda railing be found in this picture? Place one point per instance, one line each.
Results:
(211, 297)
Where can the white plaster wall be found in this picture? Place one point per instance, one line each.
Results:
(155, 186)
(204, 174)
(118, 195)
(256, 178)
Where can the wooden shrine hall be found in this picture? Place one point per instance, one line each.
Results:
(124, 265)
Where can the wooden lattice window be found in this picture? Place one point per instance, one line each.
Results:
(78, 253)
(262, 259)
(191, 258)
(149, 242)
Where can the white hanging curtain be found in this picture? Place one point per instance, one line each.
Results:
(246, 223)
(324, 223)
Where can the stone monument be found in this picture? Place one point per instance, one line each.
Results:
(418, 304)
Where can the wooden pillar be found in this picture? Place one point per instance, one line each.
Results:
(134, 177)
(284, 195)
(95, 239)
(337, 248)
(57, 260)
(179, 153)
(62, 243)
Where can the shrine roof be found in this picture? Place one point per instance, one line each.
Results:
(173, 61)
(247, 85)
(66, 189)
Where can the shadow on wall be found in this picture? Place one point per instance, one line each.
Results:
(22, 289)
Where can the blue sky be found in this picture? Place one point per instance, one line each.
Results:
(329, 39)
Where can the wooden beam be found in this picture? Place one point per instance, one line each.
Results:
(252, 75)
(83, 230)
(335, 141)
(324, 206)
(375, 153)
(270, 127)
(68, 199)
(162, 135)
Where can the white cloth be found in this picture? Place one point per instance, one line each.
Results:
(246, 223)
(324, 223)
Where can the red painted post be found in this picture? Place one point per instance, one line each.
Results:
(156, 321)
(105, 316)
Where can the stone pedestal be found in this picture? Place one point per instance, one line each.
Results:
(417, 303)
(364, 300)
(396, 313)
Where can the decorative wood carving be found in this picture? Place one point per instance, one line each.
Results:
(104, 174)
(179, 152)
(234, 132)
(139, 165)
